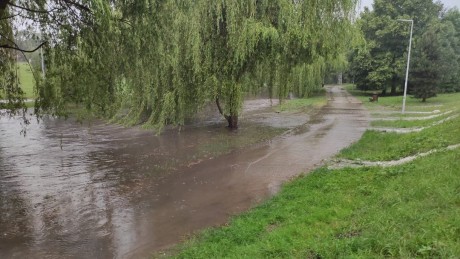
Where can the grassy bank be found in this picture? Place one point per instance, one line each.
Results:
(382, 146)
(26, 79)
(404, 211)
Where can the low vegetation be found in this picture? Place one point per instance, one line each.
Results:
(403, 211)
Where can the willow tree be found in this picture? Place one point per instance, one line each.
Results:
(158, 61)
(285, 37)
(10, 91)
(237, 35)
(317, 36)
(52, 16)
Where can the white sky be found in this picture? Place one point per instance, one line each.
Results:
(447, 3)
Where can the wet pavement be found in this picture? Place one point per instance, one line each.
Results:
(69, 190)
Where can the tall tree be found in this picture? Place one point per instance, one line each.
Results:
(11, 95)
(158, 61)
(426, 71)
(449, 36)
(386, 40)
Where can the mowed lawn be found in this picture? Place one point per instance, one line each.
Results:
(26, 79)
(405, 211)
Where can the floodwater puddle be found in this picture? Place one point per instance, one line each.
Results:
(70, 190)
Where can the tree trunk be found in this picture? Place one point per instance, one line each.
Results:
(394, 81)
(231, 119)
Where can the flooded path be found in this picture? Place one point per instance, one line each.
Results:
(102, 191)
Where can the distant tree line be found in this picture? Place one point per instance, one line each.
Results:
(379, 62)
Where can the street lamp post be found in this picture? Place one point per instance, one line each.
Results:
(408, 62)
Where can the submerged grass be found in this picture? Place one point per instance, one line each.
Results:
(303, 104)
(404, 211)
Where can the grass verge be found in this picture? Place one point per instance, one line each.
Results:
(404, 123)
(381, 146)
(371, 212)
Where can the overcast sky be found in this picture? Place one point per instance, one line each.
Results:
(447, 3)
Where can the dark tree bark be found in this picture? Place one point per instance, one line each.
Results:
(231, 119)
(3, 4)
(394, 81)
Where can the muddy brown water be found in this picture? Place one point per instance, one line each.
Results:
(69, 190)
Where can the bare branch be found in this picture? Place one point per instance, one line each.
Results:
(8, 17)
(16, 47)
(79, 6)
(30, 10)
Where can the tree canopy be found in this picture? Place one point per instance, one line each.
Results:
(380, 62)
(156, 62)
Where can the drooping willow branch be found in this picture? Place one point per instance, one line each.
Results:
(23, 52)
(5, 46)
(32, 10)
(79, 6)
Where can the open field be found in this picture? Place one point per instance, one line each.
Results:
(404, 211)
(26, 79)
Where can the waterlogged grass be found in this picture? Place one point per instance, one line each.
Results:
(302, 104)
(405, 211)
(226, 141)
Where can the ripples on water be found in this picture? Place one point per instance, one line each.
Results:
(70, 190)
(86, 190)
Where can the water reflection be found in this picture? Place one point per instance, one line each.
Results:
(91, 190)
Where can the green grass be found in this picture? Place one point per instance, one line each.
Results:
(404, 211)
(401, 123)
(26, 79)
(378, 146)
(302, 104)
(375, 146)
(394, 103)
